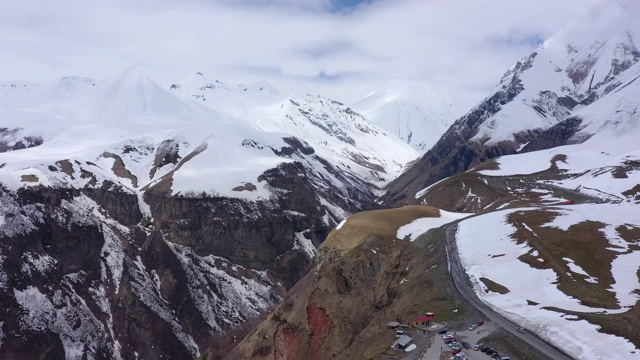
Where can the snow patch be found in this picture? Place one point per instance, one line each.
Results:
(305, 245)
(420, 226)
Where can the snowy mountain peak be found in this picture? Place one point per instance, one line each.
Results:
(199, 87)
(129, 94)
(416, 112)
(582, 63)
(263, 87)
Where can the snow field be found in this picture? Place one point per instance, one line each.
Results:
(482, 237)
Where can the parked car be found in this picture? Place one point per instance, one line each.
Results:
(569, 202)
(447, 336)
(477, 347)
(480, 323)
(466, 345)
(442, 331)
(399, 332)
(495, 355)
(472, 327)
(455, 351)
(520, 329)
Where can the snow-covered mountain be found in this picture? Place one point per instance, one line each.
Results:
(336, 132)
(140, 221)
(579, 67)
(553, 168)
(419, 114)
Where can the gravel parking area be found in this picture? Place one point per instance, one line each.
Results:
(439, 350)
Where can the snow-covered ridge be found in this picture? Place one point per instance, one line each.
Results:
(130, 111)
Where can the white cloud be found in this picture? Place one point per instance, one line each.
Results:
(462, 46)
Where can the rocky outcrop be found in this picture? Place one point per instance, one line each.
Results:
(14, 139)
(556, 135)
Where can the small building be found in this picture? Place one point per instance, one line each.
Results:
(424, 320)
(402, 342)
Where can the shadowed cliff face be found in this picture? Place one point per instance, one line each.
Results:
(84, 271)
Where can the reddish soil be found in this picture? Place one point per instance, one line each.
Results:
(320, 326)
(287, 344)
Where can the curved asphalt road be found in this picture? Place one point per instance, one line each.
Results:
(464, 287)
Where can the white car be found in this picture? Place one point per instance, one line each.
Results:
(472, 327)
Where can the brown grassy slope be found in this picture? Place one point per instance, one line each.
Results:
(466, 192)
(383, 223)
(625, 324)
(584, 243)
(474, 192)
(364, 278)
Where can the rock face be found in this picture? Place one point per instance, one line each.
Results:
(167, 230)
(539, 103)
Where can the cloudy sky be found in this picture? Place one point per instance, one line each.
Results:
(338, 48)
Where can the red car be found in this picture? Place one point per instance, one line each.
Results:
(455, 352)
(569, 202)
(480, 323)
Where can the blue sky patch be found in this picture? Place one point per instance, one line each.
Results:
(346, 5)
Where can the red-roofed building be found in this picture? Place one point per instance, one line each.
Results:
(424, 320)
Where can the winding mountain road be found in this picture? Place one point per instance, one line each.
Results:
(464, 287)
